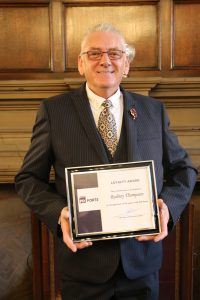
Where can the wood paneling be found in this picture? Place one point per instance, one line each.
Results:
(25, 38)
(16, 246)
(140, 23)
(42, 39)
(19, 102)
(181, 97)
(196, 245)
(185, 35)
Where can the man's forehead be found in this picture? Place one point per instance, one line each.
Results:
(99, 39)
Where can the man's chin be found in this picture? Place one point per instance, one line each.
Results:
(106, 81)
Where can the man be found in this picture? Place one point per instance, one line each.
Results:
(66, 135)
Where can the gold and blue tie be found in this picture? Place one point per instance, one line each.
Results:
(107, 127)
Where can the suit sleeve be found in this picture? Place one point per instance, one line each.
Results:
(179, 175)
(32, 181)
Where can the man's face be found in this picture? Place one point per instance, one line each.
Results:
(104, 75)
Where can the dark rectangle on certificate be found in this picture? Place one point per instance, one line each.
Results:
(112, 201)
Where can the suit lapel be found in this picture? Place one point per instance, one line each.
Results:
(83, 109)
(131, 126)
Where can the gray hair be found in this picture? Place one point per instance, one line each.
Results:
(106, 27)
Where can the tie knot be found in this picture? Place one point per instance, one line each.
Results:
(107, 103)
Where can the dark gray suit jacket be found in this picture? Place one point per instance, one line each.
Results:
(65, 135)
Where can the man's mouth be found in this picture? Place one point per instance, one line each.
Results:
(105, 72)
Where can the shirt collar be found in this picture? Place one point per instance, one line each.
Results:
(96, 100)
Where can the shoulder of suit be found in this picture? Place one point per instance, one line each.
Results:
(140, 98)
(60, 98)
(68, 95)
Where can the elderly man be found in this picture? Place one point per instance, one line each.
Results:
(68, 133)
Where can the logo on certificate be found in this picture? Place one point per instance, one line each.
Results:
(82, 199)
(88, 199)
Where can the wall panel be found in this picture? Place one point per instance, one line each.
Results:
(181, 98)
(16, 247)
(140, 23)
(25, 38)
(186, 35)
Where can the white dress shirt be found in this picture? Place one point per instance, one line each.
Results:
(116, 109)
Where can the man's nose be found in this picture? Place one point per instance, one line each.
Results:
(105, 58)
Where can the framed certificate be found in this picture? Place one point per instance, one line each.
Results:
(112, 201)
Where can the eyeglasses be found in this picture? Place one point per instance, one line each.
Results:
(97, 54)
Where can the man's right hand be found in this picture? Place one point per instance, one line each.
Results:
(65, 226)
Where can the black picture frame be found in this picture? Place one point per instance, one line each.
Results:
(87, 225)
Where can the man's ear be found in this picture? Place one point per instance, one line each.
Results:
(80, 65)
(126, 66)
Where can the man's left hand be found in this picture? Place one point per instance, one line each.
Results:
(164, 219)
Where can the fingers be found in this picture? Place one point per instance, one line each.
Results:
(83, 245)
(64, 222)
(65, 226)
(164, 218)
(145, 238)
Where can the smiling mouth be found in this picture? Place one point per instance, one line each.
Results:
(105, 72)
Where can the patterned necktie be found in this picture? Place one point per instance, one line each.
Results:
(107, 127)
